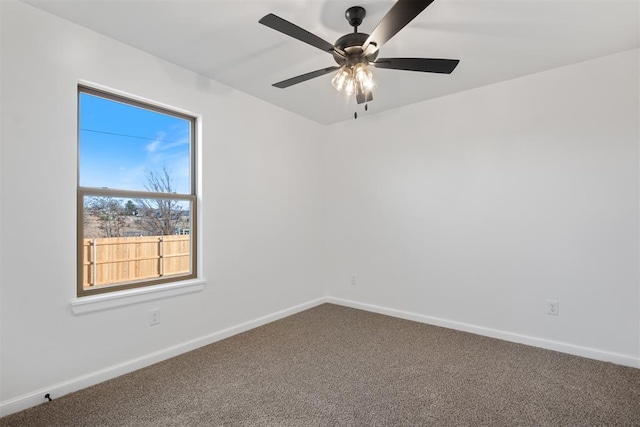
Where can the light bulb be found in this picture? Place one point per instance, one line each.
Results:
(363, 77)
(342, 78)
(349, 86)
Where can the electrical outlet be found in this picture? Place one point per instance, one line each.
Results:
(353, 280)
(154, 316)
(553, 307)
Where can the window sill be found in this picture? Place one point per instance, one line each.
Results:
(134, 296)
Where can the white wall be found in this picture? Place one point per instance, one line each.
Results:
(261, 218)
(478, 207)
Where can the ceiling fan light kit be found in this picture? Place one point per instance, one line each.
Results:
(350, 79)
(355, 52)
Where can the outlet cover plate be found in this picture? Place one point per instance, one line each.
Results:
(154, 316)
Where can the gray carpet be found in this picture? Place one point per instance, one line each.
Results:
(336, 366)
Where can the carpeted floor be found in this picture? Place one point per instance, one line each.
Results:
(336, 366)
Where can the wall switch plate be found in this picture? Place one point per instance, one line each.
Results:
(154, 316)
(553, 307)
(353, 279)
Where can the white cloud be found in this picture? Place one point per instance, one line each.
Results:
(152, 146)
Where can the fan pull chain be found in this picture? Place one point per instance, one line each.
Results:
(366, 108)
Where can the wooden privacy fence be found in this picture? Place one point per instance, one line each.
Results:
(107, 261)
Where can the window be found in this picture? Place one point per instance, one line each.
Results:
(136, 194)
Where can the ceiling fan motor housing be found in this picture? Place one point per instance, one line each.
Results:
(351, 44)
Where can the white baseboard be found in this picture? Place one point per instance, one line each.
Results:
(37, 397)
(591, 353)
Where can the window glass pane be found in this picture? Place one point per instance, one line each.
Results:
(127, 240)
(121, 144)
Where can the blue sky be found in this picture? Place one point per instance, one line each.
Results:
(120, 144)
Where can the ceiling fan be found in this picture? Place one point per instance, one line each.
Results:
(354, 52)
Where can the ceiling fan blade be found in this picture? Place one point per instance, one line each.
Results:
(426, 65)
(396, 19)
(304, 77)
(292, 30)
(363, 96)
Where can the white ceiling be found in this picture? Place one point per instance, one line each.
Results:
(495, 40)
